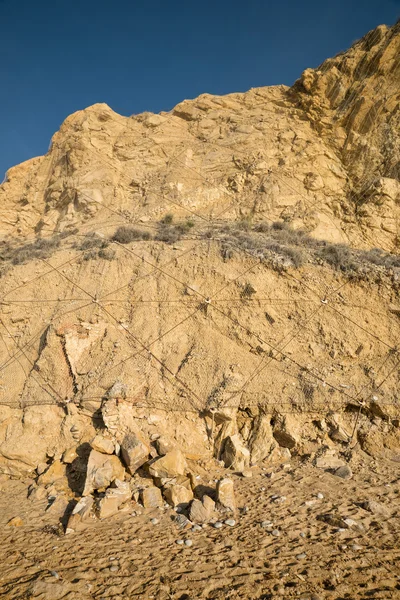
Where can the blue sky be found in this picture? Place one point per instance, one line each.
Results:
(59, 56)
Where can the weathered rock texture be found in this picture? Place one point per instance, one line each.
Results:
(216, 326)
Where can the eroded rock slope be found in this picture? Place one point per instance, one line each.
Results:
(230, 266)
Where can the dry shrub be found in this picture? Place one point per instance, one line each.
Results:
(126, 235)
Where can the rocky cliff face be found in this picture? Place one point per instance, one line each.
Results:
(230, 265)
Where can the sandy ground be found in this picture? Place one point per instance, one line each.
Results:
(129, 557)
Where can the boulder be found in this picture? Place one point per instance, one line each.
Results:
(226, 493)
(69, 455)
(102, 469)
(58, 505)
(338, 434)
(226, 429)
(278, 455)
(182, 521)
(81, 513)
(202, 511)
(376, 508)
(235, 454)
(134, 452)
(178, 495)
(102, 444)
(262, 439)
(114, 498)
(163, 446)
(37, 493)
(42, 467)
(329, 460)
(151, 497)
(286, 431)
(170, 465)
(56, 470)
(164, 482)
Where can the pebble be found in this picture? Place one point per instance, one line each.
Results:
(276, 533)
(112, 558)
(188, 543)
(218, 525)
(262, 489)
(320, 496)
(344, 472)
(154, 521)
(302, 534)
(204, 526)
(197, 527)
(301, 556)
(114, 568)
(343, 547)
(179, 542)
(275, 497)
(309, 503)
(356, 547)
(230, 522)
(266, 524)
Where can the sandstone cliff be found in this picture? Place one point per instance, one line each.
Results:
(232, 264)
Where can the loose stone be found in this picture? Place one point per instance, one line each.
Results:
(350, 522)
(179, 542)
(154, 521)
(247, 473)
(230, 522)
(309, 502)
(218, 525)
(188, 543)
(301, 556)
(344, 472)
(276, 532)
(266, 524)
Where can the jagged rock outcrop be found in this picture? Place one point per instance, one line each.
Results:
(226, 271)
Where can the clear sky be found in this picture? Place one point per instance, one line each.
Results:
(59, 56)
